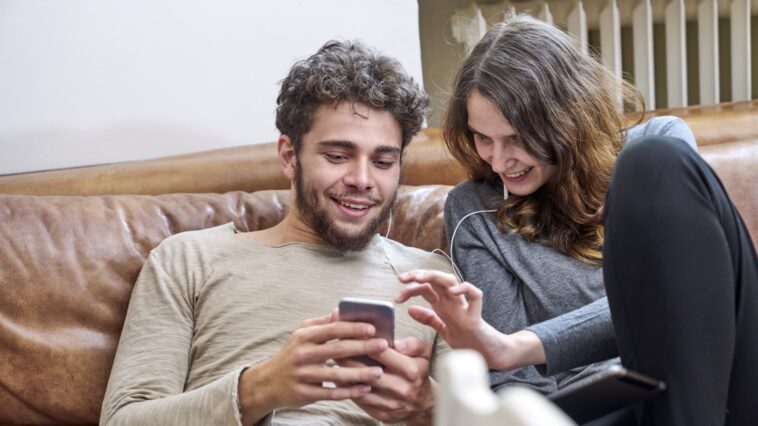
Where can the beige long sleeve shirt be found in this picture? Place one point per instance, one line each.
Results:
(209, 303)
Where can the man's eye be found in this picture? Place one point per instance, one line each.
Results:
(335, 157)
(384, 164)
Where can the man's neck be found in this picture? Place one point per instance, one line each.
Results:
(289, 230)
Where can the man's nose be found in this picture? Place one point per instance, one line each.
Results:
(359, 176)
(502, 157)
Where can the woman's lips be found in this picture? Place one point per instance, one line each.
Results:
(520, 176)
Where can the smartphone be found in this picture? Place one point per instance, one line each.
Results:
(379, 313)
(605, 392)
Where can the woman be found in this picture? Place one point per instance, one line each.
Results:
(536, 124)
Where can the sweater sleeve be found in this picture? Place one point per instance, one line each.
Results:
(577, 338)
(147, 382)
(665, 125)
(481, 264)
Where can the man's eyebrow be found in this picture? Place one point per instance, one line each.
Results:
(387, 149)
(336, 143)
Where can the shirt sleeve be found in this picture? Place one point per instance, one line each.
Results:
(481, 264)
(147, 381)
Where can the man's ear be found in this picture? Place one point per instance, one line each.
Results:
(287, 156)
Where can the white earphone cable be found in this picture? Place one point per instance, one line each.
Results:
(452, 242)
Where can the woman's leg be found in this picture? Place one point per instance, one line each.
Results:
(681, 275)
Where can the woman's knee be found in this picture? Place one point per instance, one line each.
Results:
(642, 161)
(652, 151)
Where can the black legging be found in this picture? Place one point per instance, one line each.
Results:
(681, 275)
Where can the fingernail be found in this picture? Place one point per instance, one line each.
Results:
(364, 389)
(369, 330)
(380, 344)
(400, 345)
(376, 372)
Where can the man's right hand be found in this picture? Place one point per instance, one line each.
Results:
(294, 376)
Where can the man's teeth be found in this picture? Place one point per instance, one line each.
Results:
(521, 173)
(353, 206)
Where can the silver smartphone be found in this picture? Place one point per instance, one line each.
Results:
(379, 313)
(604, 392)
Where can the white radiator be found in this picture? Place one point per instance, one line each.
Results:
(609, 18)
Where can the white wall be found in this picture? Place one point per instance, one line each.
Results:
(90, 82)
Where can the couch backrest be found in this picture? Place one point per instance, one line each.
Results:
(67, 269)
(255, 167)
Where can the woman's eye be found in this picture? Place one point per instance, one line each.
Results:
(481, 139)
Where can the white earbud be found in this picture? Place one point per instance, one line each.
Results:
(505, 192)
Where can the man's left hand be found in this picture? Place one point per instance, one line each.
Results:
(405, 392)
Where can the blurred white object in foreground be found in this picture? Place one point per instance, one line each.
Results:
(464, 397)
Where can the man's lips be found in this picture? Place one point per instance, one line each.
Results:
(354, 207)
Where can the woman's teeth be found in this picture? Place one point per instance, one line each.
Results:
(519, 174)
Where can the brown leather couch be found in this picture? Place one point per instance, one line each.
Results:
(73, 241)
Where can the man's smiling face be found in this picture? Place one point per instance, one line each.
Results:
(347, 173)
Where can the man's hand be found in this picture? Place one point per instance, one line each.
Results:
(294, 376)
(405, 392)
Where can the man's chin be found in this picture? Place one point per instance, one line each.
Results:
(354, 240)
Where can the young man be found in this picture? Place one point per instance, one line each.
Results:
(215, 333)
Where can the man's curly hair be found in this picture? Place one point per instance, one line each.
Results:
(353, 72)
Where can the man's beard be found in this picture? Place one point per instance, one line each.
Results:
(325, 227)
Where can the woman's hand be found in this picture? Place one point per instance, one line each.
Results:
(456, 312)
(456, 315)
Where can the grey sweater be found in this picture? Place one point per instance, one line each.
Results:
(530, 285)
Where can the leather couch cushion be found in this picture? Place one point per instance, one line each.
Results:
(736, 164)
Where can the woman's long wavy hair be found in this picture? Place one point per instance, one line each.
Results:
(566, 110)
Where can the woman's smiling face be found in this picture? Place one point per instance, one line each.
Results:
(498, 144)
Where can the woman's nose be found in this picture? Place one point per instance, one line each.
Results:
(502, 157)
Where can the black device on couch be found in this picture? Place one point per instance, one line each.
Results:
(604, 392)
